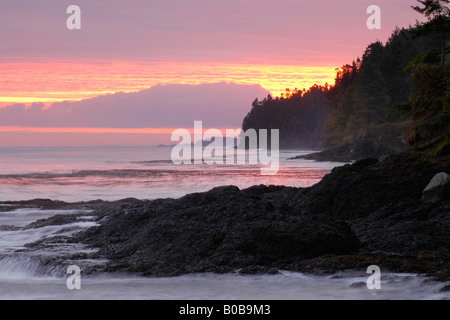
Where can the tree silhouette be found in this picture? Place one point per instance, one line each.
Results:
(438, 15)
(433, 8)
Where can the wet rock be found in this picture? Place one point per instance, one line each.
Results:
(223, 228)
(360, 189)
(370, 212)
(6, 208)
(359, 284)
(59, 219)
(258, 270)
(445, 288)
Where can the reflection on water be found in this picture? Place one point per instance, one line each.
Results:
(82, 174)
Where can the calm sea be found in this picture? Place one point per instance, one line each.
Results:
(113, 173)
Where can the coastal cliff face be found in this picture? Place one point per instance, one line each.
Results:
(366, 213)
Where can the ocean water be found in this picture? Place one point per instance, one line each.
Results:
(81, 174)
(109, 173)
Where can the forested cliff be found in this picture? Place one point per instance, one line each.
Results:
(376, 98)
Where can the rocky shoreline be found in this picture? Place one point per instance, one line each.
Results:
(376, 149)
(366, 213)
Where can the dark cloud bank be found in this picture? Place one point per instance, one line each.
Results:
(217, 105)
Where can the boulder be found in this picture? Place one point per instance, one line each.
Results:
(437, 189)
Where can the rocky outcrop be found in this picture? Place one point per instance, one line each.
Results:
(358, 150)
(220, 230)
(370, 212)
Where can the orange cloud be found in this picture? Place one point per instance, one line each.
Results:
(57, 81)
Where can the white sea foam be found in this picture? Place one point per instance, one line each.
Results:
(284, 286)
(23, 276)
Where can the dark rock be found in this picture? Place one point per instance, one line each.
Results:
(358, 190)
(445, 288)
(6, 208)
(359, 284)
(379, 148)
(366, 213)
(224, 227)
(59, 219)
(258, 270)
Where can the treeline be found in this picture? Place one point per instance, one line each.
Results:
(375, 97)
(371, 97)
(299, 115)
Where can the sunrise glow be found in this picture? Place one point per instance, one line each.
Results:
(58, 81)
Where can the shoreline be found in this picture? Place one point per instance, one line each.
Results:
(358, 150)
(366, 213)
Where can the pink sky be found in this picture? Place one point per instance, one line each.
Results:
(134, 45)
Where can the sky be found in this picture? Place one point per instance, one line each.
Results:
(160, 53)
